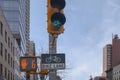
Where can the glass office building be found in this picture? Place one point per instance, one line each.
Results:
(17, 15)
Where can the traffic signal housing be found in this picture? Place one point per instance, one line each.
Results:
(55, 15)
(28, 63)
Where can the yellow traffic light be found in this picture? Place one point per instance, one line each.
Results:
(55, 16)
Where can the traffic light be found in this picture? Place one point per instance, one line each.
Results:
(55, 15)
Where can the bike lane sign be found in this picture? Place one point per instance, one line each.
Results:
(53, 61)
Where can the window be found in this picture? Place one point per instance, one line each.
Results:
(11, 46)
(1, 49)
(13, 51)
(6, 73)
(18, 41)
(5, 54)
(11, 4)
(5, 36)
(1, 28)
(1, 70)
(11, 62)
(11, 75)
(8, 58)
(8, 42)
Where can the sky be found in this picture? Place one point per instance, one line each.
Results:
(89, 27)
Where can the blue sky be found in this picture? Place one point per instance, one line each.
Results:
(89, 27)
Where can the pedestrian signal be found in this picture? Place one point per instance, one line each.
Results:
(28, 64)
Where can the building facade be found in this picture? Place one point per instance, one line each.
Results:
(115, 51)
(99, 78)
(6, 50)
(17, 14)
(18, 74)
(32, 48)
(107, 58)
(27, 25)
(116, 72)
(32, 52)
(111, 59)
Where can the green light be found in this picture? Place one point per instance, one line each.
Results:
(57, 24)
(57, 19)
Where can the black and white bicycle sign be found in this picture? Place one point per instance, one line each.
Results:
(52, 61)
(55, 59)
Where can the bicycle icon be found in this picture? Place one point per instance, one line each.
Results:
(53, 59)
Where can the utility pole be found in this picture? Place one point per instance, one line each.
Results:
(52, 50)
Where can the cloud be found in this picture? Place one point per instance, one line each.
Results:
(114, 3)
(110, 21)
(78, 70)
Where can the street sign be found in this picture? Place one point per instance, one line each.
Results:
(28, 64)
(53, 61)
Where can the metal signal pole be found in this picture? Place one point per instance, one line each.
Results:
(55, 20)
(52, 50)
